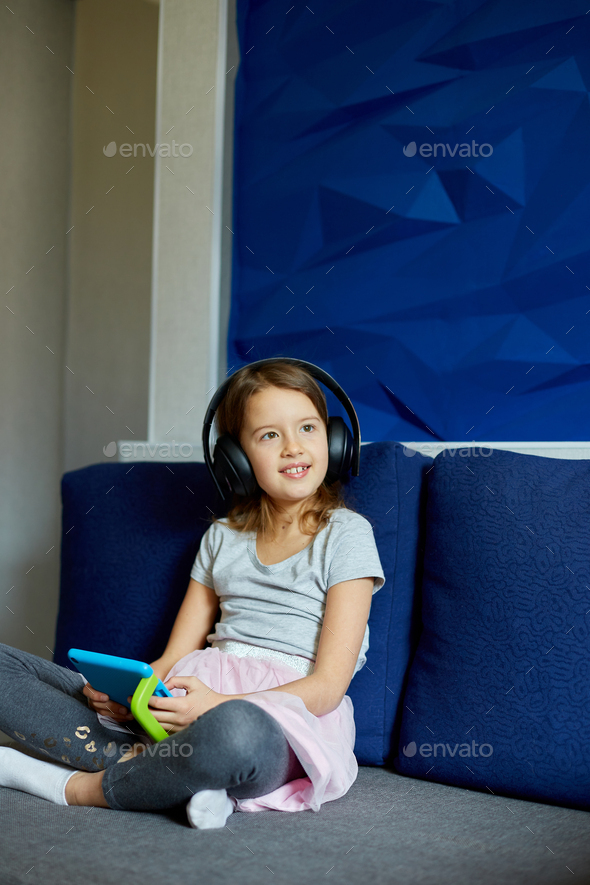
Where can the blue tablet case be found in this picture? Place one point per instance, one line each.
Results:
(120, 677)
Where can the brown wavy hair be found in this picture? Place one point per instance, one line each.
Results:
(258, 512)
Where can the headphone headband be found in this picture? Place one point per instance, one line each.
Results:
(315, 372)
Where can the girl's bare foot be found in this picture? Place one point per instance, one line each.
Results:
(85, 788)
(133, 752)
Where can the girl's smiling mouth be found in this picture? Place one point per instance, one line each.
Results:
(300, 472)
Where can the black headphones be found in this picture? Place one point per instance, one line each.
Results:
(230, 466)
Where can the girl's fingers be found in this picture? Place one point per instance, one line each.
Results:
(164, 704)
(95, 695)
(112, 709)
(164, 719)
(189, 683)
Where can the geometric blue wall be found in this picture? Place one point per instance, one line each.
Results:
(449, 294)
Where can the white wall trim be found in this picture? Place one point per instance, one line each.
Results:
(151, 430)
(571, 450)
(217, 229)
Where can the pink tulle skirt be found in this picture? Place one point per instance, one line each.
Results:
(324, 745)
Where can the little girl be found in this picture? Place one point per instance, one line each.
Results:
(260, 718)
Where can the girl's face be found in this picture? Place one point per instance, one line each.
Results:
(282, 427)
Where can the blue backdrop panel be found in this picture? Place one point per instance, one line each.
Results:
(412, 209)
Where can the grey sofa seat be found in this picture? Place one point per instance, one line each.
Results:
(387, 829)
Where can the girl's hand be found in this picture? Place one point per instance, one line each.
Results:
(174, 714)
(101, 703)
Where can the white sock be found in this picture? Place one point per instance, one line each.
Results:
(45, 779)
(209, 809)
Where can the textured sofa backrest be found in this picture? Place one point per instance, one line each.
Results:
(131, 534)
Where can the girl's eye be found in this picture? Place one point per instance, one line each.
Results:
(272, 431)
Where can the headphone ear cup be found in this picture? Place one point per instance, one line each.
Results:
(340, 449)
(232, 467)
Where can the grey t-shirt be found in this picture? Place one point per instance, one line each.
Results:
(281, 606)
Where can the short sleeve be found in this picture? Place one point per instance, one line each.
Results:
(355, 554)
(202, 570)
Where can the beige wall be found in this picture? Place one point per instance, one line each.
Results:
(232, 62)
(150, 263)
(108, 322)
(188, 218)
(35, 90)
(77, 228)
(93, 247)
(86, 303)
(81, 362)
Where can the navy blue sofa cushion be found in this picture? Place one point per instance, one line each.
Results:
(131, 534)
(498, 691)
(390, 493)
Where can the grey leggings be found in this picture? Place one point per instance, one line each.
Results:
(235, 746)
